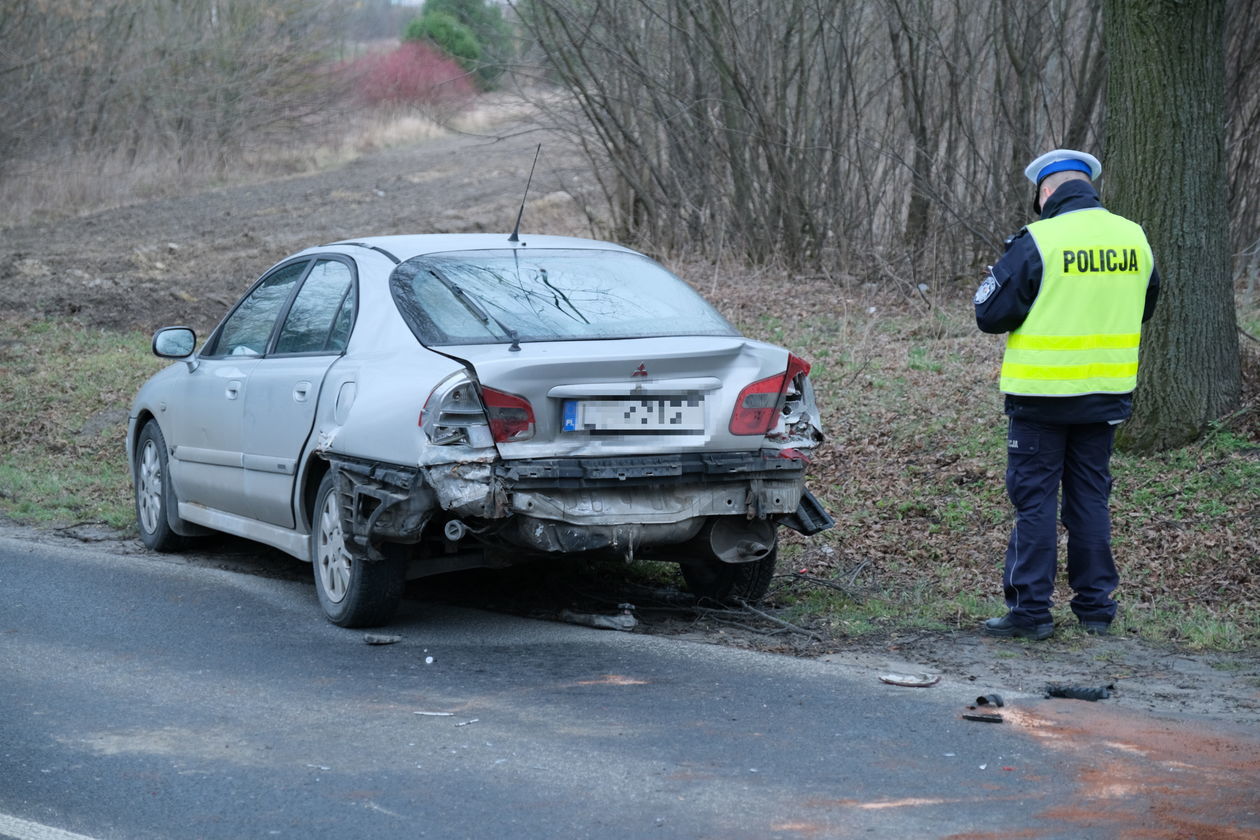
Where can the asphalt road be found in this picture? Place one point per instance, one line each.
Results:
(147, 698)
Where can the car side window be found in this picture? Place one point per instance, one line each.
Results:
(247, 329)
(319, 319)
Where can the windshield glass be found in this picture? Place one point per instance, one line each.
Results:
(490, 297)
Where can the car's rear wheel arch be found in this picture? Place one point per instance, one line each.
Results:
(353, 589)
(316, 469)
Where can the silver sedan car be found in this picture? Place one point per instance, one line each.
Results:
(402, 406)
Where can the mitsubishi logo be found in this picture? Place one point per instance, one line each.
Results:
(641, 370)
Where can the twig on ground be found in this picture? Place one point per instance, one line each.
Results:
(728, 622)
(1226, 421)
(858, 570)
(710, 612)
(786, 624)
(853, 376)
(81, 524)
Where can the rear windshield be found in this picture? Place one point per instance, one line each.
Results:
(490, 297)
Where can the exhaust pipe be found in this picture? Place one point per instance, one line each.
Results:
(733, 539)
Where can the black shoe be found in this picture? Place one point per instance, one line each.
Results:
(1097, 628)
(1004, 626)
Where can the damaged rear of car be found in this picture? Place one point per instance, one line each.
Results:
(583, 400)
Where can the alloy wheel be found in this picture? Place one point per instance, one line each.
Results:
(149, 488)
(332, 559)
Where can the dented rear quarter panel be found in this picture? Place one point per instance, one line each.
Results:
(372, 397)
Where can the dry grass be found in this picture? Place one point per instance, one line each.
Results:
(70, 185)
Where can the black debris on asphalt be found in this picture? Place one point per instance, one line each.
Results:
(1079, 692)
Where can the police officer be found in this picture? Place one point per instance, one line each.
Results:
(1073, 291)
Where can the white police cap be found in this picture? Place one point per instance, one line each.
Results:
(1062, 160)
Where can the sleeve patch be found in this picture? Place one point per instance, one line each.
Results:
(987, 288)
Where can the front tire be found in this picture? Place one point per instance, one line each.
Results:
(708, 577)
(353, 591)
(154, 497)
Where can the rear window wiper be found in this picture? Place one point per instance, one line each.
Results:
(476, 309)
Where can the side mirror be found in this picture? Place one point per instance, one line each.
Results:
(174, 342)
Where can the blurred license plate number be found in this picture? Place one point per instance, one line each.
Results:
(676, 414)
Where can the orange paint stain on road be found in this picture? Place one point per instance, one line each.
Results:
(1151, 778)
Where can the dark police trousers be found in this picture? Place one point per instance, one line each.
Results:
(1041, 458)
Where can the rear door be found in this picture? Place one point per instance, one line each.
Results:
(284, 388)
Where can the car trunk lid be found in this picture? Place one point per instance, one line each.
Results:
(623, 396)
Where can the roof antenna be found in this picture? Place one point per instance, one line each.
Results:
(516, 231)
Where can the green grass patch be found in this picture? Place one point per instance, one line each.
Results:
(66, 390)
(856, 614)
(1195, 486)
(1249, 320)
(1198, 627)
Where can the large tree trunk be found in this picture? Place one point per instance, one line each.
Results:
(1166, 169)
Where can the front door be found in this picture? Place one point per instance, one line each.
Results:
(207, 466)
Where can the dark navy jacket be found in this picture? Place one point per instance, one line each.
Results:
(1018, 277)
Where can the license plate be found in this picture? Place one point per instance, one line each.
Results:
(664, 414)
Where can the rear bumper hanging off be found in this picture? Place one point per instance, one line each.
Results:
(810, 517)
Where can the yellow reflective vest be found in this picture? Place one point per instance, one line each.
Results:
(1082, 333)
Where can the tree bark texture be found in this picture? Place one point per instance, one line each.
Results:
(1165, 168)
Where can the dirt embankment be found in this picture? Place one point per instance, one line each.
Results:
(186, 259)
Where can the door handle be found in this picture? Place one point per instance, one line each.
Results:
(301, 390)
(233, 390)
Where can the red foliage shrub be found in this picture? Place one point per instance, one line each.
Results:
(411, 74)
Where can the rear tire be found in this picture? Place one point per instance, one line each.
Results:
(709, 577)
(154, 497)
(353, 591)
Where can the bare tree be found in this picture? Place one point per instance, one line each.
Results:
(885, 132)
(198, 78)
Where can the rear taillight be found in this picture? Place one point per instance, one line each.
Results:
(453, 414)
(756, 407)
(458, 412)
(511, 417)
(759, 404)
